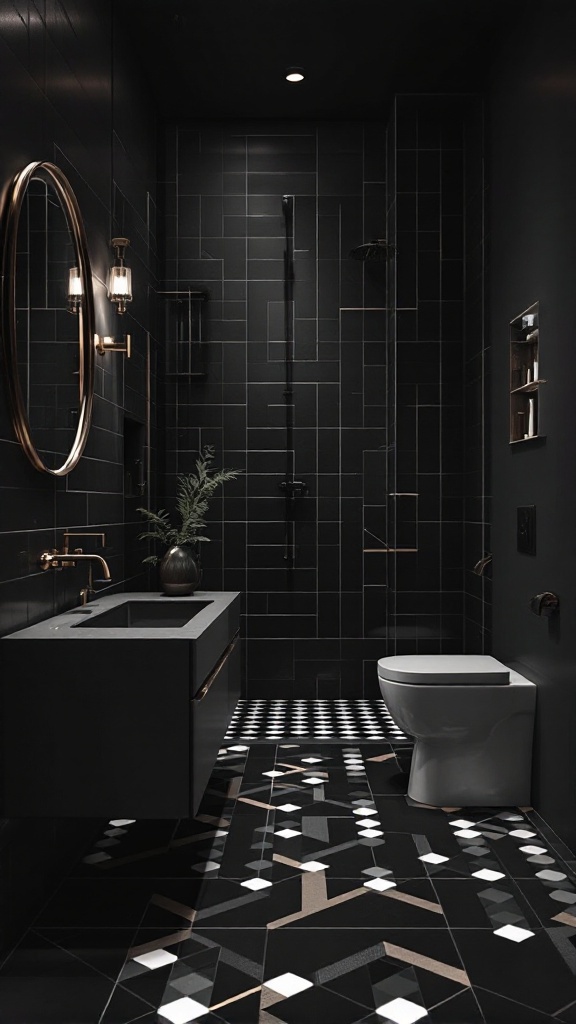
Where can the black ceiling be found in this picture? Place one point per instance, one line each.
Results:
(226, 58)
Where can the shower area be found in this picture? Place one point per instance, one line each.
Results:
(346, 373)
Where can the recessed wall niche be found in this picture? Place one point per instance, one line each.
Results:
(525, 376)
(184, 336)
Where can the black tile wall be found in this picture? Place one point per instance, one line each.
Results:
(223, 186)
(71, 95)
(370, 419)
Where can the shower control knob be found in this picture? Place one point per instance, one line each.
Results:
(294, 488)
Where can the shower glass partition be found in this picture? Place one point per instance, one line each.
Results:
(436, 474)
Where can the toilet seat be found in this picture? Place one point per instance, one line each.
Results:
(444, 669)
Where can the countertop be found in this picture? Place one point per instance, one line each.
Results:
(65, 625)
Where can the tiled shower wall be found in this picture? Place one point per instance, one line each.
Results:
(436, 451)
(224, 184)
(318, 629)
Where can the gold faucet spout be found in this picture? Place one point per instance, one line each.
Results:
(64, 561)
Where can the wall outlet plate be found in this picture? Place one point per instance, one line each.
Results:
(526, 529)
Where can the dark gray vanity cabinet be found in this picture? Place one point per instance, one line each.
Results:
(123, 725)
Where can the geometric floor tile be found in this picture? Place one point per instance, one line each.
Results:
(305, 891)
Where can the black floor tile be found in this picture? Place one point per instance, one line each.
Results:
(125, 1007)
(41, 982)
(102, 949)
(96, 902)
(462, 1008)
(530, 972)
(499, 1010)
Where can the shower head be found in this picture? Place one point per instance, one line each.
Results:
(377, 250)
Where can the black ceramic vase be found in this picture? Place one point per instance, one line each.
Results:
(180, 571)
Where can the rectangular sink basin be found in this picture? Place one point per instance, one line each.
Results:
(145, 615)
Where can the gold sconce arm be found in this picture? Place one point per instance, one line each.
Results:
(106, 344)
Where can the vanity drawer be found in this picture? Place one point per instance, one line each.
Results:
(211, 710)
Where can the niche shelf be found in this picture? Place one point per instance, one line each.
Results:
(184, 333)
(525, 378)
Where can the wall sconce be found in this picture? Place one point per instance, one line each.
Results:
(75, 290)
(106, 344)
(120, 276)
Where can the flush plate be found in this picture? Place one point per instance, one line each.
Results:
(526, 529)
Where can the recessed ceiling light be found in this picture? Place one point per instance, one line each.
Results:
(294, 74)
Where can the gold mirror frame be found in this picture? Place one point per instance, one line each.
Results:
(10, 219)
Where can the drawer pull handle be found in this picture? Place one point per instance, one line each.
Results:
(219, 666)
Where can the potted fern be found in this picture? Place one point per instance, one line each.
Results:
(179, 568)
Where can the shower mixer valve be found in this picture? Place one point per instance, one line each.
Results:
(294, 488)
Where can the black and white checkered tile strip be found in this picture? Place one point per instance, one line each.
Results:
(335, 720)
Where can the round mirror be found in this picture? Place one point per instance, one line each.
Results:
(47, 317)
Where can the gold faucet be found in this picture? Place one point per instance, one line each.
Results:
(67, 560)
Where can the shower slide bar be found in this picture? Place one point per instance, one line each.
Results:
(291, 487)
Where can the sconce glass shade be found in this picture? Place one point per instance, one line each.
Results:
(120, 276)
(75, 290)
(120, 286)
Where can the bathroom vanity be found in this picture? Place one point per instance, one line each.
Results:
(118, 708)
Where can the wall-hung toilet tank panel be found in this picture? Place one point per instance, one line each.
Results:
(444, 669)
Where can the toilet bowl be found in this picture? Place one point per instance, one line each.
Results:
(472, 721)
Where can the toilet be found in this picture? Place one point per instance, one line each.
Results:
(472, 721)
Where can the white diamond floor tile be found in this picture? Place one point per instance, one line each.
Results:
(288, 984)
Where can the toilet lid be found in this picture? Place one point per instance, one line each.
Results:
(446, 669)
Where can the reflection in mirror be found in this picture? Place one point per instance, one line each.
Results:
(48, 333)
